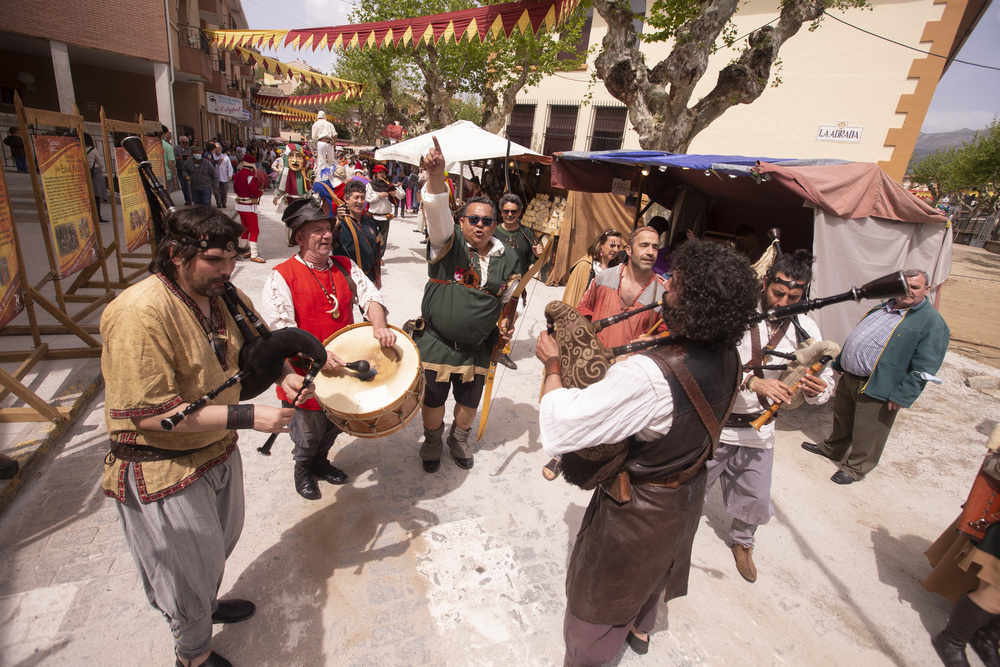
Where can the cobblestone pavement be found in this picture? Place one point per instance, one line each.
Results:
(467, 567)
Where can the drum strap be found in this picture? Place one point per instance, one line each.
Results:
(347, 276)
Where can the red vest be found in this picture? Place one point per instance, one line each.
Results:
(312, 306)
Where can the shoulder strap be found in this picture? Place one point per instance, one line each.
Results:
(357, 248)
(347, 276)
(757, 353)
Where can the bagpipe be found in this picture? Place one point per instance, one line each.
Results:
(584, 360)
(264, 352)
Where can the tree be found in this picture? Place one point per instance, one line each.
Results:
(973, 167)
(659, 99)
(934, 172)
(434, 84)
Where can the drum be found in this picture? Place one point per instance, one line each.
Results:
(382, 405)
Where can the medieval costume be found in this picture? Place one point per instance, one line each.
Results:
(292, 182)
(246, 185)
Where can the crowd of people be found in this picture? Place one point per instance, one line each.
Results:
(681, 414)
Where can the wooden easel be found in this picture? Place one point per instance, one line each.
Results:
(37, 408)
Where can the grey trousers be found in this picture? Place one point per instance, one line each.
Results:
(312, 433)
(180, 544)
(745, 474)
(861, 427)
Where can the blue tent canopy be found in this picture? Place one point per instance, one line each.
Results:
(661, 159)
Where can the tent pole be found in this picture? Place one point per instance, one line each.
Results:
(638, 199)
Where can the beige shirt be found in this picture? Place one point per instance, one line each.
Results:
(157, 355)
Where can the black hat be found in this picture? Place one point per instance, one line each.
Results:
(301, 211)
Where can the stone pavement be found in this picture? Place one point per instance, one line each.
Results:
(467, 567)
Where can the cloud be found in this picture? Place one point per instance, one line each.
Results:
(938, 120)
(322, 13)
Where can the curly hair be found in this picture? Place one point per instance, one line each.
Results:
(193, 222)
(718, 294)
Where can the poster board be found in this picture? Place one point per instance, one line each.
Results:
(62, 168)
(154, 150)
(136, 215)
(11, 291)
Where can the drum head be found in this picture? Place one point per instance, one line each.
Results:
(396, 368)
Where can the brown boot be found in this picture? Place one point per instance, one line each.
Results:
(744, 562)
(966, 618)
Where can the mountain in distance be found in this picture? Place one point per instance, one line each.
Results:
(928, 142)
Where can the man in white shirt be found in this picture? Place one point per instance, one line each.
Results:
(225, 168)
(324, 140)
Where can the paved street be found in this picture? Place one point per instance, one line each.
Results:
(467, 567)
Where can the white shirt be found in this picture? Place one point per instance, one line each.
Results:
(633, 399)
(225, 167)
(323, 128)
(277, 308)
(377, 205)
(746, 400)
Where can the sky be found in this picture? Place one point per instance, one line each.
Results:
(966, 97)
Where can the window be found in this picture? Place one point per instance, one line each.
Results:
(561, 132)
(584, 42)
(609, 128)
(522, 119)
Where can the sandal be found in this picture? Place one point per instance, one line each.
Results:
(552, 469)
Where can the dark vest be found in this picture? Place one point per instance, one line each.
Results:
(624, 552)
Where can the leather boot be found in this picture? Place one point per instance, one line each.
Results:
(985, 643)
(430, 450)
(744, 562)
(305, 484)
(966, 618)
(458, 441)
(331, 474)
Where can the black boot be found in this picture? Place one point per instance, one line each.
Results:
(966, 618)
(985, 643)
(305, 484)
(331, 474)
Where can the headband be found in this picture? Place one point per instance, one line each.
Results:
(790, 284)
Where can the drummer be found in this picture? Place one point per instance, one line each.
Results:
(316, 292)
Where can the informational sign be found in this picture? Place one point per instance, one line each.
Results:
(11, 296)
(224, 106)
(246, 115)
(841, 133)
(154, 150)
(620, 186)
(64, 173)
(135, 206)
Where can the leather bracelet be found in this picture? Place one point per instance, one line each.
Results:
(551, 367)
(240, 416)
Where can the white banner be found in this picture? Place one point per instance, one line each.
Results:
(224, 105)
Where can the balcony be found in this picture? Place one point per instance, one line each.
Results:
(193, 52)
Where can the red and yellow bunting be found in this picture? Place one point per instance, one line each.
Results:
(349, 89)
(288, 113)
(482, 23)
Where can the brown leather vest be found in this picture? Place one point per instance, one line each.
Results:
(717, 374)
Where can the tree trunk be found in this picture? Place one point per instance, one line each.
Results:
(659, 99)
(439, 94)
(497, 108)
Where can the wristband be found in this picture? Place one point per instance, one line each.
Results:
(750, 382)
(551, 367)
(240, 416)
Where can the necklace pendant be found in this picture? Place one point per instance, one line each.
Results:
(333, 313)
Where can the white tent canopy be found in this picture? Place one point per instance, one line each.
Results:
(462, 141)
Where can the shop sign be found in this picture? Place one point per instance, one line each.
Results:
(224, 105)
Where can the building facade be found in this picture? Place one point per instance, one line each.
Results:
(844, 93)
(130, 57)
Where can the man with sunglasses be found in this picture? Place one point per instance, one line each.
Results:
(519, 240)
(471, 275)
(744, 459)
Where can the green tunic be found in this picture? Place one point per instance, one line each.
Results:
(461, 309)
(520, 241)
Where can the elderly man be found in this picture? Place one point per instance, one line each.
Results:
(634, 545)
(627, 287)
(324, 139)
(886, 361)
(168, 341)
(202, 177)
(317, 292)
(470, 278)
(745, 456)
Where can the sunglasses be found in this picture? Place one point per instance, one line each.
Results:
(476, 220)
(510, 212)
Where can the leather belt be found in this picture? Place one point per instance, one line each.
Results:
(741, 421)
(671, 482)
(144, 453)
(248, 200)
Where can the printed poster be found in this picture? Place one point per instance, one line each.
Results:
(154, 150)
(62, 166)
(135, 206)
(11, 296)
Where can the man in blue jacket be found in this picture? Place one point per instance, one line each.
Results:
(886, 361)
